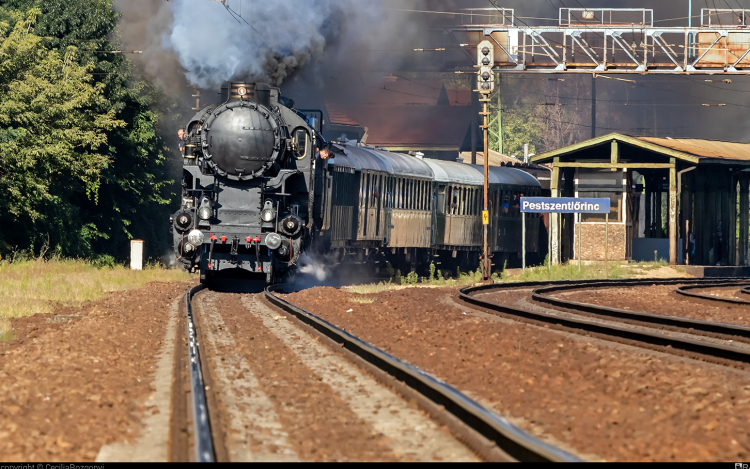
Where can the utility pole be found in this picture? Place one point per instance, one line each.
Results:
(486, 83)
(474, 122)
(499, 116)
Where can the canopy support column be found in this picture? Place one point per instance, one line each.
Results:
(672, 213)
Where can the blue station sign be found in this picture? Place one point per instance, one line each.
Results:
(563, 205)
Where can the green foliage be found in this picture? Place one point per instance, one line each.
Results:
(83, 163)
(103, 260)
(52, 138)
(432, 271)
(391, 271)
(412, 278)
(519, 127)
(397, 279)
(569, 271)
(440, 279)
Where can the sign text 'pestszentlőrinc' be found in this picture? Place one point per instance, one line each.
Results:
(563, 205)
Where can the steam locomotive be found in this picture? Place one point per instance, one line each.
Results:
(256, 195)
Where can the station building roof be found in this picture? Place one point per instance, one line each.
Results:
(687, 150)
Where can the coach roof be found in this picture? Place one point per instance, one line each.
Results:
(366, 158)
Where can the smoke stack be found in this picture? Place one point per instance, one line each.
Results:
(256, 92)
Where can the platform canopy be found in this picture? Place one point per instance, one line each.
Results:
(640, 151)
(702, 204)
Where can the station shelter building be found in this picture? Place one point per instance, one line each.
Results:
(682, 200)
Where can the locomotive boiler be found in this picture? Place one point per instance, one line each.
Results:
(247, 184)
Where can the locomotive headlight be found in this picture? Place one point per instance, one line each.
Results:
(273, 241)
(195, 237)
(267, 215)
(204, 213)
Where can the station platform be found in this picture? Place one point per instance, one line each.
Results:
(717, 270)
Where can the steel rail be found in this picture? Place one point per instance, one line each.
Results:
(685, 290)
(651, 318)
(204, 446)
(511, 439)
(613, 330)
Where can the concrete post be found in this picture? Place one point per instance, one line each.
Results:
(744, 209)
(136, 254)
(672, 213)
(554, 218)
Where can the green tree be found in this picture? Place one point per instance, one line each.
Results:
(519, 127)
(135, 187)
(52, 130)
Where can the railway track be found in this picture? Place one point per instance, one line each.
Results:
(488, 435)
(677, 335)
(687, 290)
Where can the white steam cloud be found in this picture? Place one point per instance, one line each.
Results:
(269, 41)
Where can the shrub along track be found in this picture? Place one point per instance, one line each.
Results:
(490, 436)
(705, 340)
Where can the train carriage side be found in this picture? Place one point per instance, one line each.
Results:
(457, 218)
(507, 186)
(408, 200)
(377, 199)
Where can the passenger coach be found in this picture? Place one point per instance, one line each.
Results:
(380, 206)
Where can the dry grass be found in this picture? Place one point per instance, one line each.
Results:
(362, 300)
(372, 288)
(37, 286)
(5, 330)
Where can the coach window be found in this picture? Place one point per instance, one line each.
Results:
(391, 191)
(441, 200)
(413, 194)
(463, 202)
(409, 195)
(399, 193)
(407, 205)
(366, 195)
(402, 193)
(365, 182)
(451, 199)
(420, 206)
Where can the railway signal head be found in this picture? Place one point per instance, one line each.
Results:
(486, 60)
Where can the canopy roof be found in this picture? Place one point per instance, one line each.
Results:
(694, 151)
